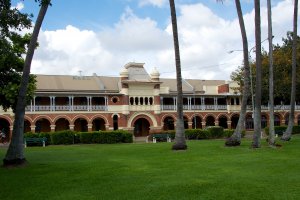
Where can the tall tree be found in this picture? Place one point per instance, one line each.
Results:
(235, 139)
(15, 153)
(288, 132)
(271, 77)
(180, 143)
(258, 82)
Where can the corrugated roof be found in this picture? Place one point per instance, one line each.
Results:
(64, 82)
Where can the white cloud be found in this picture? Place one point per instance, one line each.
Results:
(205, 39)
(158, 3)
(19, 6)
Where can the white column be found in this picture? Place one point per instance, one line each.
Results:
(202, 103)
(216, 103)
(34, 103)
(70, 103)
(31, 106)
(175, 103)
(53, 101)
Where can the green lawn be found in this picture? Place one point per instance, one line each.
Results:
(207, 170)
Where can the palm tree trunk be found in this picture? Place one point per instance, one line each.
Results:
(288, 132)
(271, 77)
(257, 110)
(235, 139)
(180, 143)
(15, 153)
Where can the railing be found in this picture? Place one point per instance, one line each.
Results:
(66, 108)
(146, 107)
(168, 107)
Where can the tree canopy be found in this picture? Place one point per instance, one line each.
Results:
(13, 45)
(282, 62)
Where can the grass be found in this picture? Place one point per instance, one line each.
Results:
(207, 170)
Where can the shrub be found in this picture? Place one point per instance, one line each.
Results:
(228, 133)
(296, 129)
(86, 137)
(215, 131)
(127, 137)
(203, 134)
(46, 135)
(31, 135)
(191, 134)
(63, 137)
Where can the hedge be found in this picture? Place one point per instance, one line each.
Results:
(72, 137)
(279, 130)
(62, 137)
(207, 133)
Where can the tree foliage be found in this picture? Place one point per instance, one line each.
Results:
(13, 45)
(282, 62)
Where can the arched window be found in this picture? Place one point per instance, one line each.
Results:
(115, 122)
(131, 101)
(141, 101)
(150, 100)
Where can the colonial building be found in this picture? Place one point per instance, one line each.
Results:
(136, 101)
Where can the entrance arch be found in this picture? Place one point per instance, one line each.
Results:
(141, 127)
(42, 125)
(62, 124)
(234, 121)
(210, 121)
(197, 122)
(27, 126)
(169, 123)
(223, 121)
(80, 125)
(98, 124)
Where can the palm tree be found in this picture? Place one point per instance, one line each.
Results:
(258, 83)
(288, 132)
(235, 139)
(271, 77)
(15, 153)
(180, 143)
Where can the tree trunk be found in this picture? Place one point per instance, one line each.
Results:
(235, 139)
(180, 143)
(271, 77)
(257, 107)
(15, 153)
(288, 132)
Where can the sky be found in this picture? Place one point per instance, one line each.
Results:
(101, 36)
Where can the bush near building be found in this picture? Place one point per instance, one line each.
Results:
(73, 137)
(279, 130)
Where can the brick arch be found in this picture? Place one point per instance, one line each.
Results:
(28, 119)
(168, 115)
(112, 116)
(236, 114)
(42, 117)
(196, 115)
(80, 116)
(62, 116)
(99, 116)
(209, 115)
(223, 114)
(151, 119)
(266, 114)
(10, 121)
(281, 116)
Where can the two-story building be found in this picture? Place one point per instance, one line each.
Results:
(136, 101)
